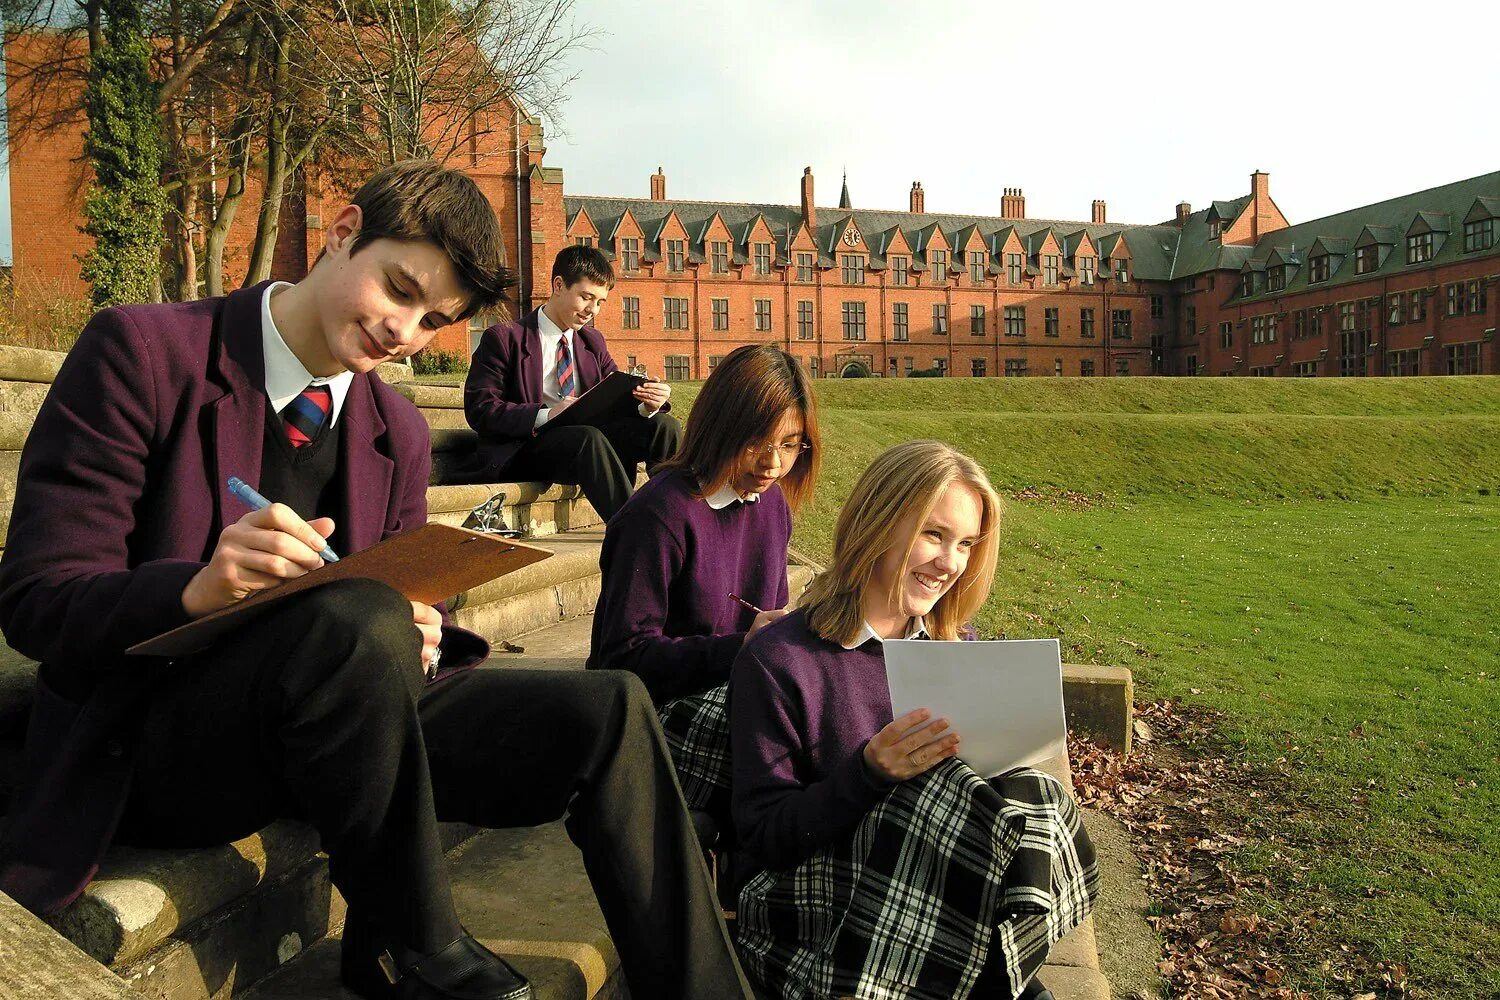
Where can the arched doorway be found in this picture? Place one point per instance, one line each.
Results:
(854, 369)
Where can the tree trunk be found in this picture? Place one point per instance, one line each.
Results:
(277, 122)
(237, 152)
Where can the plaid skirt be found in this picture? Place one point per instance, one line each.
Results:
(697, 730)
(949, 875)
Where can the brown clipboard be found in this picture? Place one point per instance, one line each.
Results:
(428, 565)
(599, 403)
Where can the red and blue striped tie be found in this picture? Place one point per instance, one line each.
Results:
(565, 384)
(305, 416)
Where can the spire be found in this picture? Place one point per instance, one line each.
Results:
(844, 196)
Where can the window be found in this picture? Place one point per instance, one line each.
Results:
(1086, 267)
(1352, 349)
(854, 268)
(805, 320)
(1226, 336)
(1192, 365)
(720, 311)
(1122, 270)
(629, 361)
(1158, 307)
(907, 366)
(762, 258)
(1366, 259)
(1119, 324)
(1057, 367)
(805, 267)
(1016, 367)
(1086, 323)
(1477, 296)
(854, 321)
(1317, 268)
(1013, 268)
(1403, 362)
(713, 362)
(1215, 229)
(632, 313)
(675, 255)
(1395, 308)
(1247, 283)
(1086, 367)
(938, 261)
(1049, 269)
(812, 367)
(583, 241)
(1346, 316)
(1122, 366)
(1258, 330)
(1015, 321)
(941, 365)
(1305, 369)
(1050, 324)
(630, 255)
(1419, 248)
(1276, 278)
(719, 257)
(1479, 235)
(1272, 322)
(1262, 371)
(1455, 294)
(1463, 359)
(900, 270)
(940, 319)
(677, 368)
(976, 321)
(674, 314)
(1299, 324)
(1315, 322)
(976, 267)
(977, 368)
(900, 330)
(1416, 311)
(895, 366)
(762, 315)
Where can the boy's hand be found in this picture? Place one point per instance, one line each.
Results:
(763, 619)
(430, 624)
(894, 755)
(558, 407)
(259, 551)
(653, 395)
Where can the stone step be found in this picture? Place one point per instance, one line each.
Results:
(536, 508)
(544, 593)
(433, 397)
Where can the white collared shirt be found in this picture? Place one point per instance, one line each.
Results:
(726, 495)
(286, 376)
(550, 334)
(915, 629)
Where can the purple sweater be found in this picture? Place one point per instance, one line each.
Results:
(670, 562)
(801, 710)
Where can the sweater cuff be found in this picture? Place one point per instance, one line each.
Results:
(856, 785)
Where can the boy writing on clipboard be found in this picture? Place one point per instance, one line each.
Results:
(527, 372)
(325, 709)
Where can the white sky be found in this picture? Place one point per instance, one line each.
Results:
(1142, 104)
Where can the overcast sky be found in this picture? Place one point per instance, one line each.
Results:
(1142, 104)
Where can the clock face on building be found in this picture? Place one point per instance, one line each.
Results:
(851, 236)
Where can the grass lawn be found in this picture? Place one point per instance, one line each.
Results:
(1318, 559)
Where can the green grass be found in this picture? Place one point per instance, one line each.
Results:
(1318, 559)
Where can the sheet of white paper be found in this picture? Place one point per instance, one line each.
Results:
(1004, 697)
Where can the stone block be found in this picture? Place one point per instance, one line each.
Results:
(1098, 702)
(37, 963)
(444, 397)
(23, 397)
(444, 419)
(1077, 948)
(572, 557)
(1069, 982)
(14, 426)
(394, 372)
(28, 364)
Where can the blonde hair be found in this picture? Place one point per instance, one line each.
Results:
(901, 485)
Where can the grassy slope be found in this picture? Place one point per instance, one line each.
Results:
(1317, 558)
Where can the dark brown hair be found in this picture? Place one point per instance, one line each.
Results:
(739, 406)
(575, 263)
(423, 201)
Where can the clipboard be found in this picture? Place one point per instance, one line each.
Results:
(430, 564)
(599, 403)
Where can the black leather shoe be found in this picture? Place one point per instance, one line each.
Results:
(464, 970)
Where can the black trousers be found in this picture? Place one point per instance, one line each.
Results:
(601, 460)
(318, 711)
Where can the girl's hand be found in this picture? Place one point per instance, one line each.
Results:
(910, 745)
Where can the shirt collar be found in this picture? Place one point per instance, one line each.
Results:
(547, 328)
(916, 628)
(286, 376)
(726, 495)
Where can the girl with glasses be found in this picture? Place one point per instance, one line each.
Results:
(695, 562)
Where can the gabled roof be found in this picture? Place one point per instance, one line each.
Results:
(1253, 264)
(1429, 222)
(1283, 257)
(1383, 235)
(1226, 211)
(1072, 241)
(1002, 236)
(1328, 245)
(1483, 208)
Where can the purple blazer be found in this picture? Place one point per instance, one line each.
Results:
(503, 392)
(120, 501)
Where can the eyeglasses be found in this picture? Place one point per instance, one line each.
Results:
(789, 452)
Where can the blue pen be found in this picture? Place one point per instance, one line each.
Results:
(255, 501)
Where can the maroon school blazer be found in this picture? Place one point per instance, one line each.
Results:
(120, 500)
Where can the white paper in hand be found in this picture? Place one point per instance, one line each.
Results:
(1004, 698)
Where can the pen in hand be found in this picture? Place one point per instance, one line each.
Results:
(745, 604)
(246, 493)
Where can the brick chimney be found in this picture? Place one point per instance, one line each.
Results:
(1013, 204)
(658, 186)
(809, 213)
(1183, 211)
(1097, 216)
(918, 197)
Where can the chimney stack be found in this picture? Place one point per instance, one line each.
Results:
(658, 186)
(1183, 211)
(1260, 185)
(1013, 204)
(1097, 218)
(809, 213)
(918, 197)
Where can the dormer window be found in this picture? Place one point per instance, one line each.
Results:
(976, 267)
(1215, 228)
(1317, 268)
(630, 255)
(1367, 259)
(900, 269)
(1013, 268)
(1276, 278)
(1247, 283)
(719, 256)
(762, 258)
(1086, 267)
(1049, 269)
(676, 254)
(938, 263)
(1418, 248)
(853, 268)
(1479, 235)
(1122, 270)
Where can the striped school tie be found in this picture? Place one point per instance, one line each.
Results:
(565, 383)
(305, 416)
